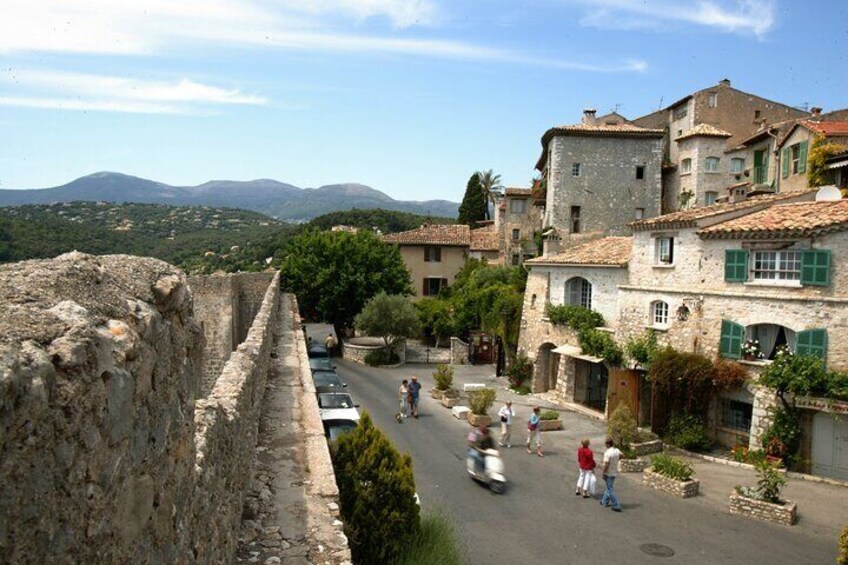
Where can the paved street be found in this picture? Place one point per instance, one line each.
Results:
(539, 520)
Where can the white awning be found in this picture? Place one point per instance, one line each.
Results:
(838, 164)
(577, 353)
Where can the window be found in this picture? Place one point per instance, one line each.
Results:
(679, 132)
(516, 234)
(433, 254)
(516, 259)
(737, 165)
(518, 206)
(680, 112)
(686, 166)
(796, 154)
(575, 219)
(579, 292)
(713, 101)
(659, 313)
(756, 115)
(575, 169)
(640, 172)
(730, 343)
(777, 265)
(664, 251)
(771, 338)
(433, 285)
(640, 213)
(736, 415)
(710, 198)
(711, 164)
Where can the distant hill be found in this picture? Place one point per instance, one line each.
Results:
(280, 200)
(387, 221)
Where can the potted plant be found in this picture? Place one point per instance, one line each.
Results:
(763, 502)
(621, 428)
(479, 401)
(549, 421)
(751, 350)
(443, 375)
(671, 474)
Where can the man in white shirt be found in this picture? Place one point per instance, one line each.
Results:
(506, 413)
(611, 457)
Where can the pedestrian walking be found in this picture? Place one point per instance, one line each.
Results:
(506, 413)
(586, 464)
(403, 399)
(534, 432)
(414, 390)
(330, 342)
(611, 457)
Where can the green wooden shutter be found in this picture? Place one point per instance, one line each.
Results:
(736, 265)
(802, 158)
(811, 342)
(784, 162)
(730, 344)
(815, 267)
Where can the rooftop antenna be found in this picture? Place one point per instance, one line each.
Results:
(617, 106)
(661, 101)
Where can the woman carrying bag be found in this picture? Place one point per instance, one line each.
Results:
(586, 462)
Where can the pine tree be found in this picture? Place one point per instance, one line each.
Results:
(474, 204)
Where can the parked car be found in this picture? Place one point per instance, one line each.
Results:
(333, 428)
(316, 350)
(321, 363)
(327, 381)
(337, 406)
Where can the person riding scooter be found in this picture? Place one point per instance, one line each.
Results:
(482, 441)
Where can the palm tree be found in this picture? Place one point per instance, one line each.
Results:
(489, 183)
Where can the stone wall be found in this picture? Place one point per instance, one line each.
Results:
(683, 489)
(417, 352)
(356, 349)
(251, 293)
(459, 352)
(785, 514)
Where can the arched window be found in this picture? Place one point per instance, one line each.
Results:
(769, 338)
(578, 292)
(659, 313)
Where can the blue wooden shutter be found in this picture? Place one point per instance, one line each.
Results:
(811, 342)
(784, 162)
(736, 265)
(802, 157)
(815, 267)
(730, 344)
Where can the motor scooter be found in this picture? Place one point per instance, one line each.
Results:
(493, 472)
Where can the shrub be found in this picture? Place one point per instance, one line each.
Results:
(770, 481)
(782, 438)
(520, 371)
(575, 317)
(481, 400)
(687, 380)
(599, 343)
(376, 494)
(443, 376)
(380, 357)
(621, 427)
(523, 390)
(728, 374)
(549, 415)
(843, 548)
(671, 467)
(642, 349)
(436, 542)
(688, 432)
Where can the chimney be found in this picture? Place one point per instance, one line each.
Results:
(724, 82)
(589, 116)
(815, 111)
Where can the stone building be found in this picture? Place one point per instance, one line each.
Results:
(794, 148)
(517, 220)
(599, 175)
(737, 113)
(484, 244)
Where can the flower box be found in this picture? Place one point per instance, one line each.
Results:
(436, 394)
(785, 513)
(647, 447)
(449, 402)
(636, 465)
(550, 425)
(478, 420)
(683, 489)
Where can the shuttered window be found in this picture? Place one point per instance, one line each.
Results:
(784, 162)
(815, 267)
(730, 344)
(802, 157)
(736, 265)
(812, 342)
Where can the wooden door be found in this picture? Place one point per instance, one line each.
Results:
(830, 446)
(623, 388)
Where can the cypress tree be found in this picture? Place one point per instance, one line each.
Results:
(474, 204)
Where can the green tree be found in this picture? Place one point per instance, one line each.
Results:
(390, 317)
(820, 152)
(436, 319)
(334, 274)
(489, 184)
(376, 494)
(475, 204)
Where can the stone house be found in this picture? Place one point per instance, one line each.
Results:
(517, 220)
(794, 149)
(737, 113)
(434, 254)
(703, 177)
(599, 175)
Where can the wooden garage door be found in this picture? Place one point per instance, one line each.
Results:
(830, 446)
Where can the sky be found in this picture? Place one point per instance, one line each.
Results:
(410, 97)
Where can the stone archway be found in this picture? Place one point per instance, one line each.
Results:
(545, 371)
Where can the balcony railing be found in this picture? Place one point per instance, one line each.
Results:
(760, 174)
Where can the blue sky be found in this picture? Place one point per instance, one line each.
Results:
(407, 96)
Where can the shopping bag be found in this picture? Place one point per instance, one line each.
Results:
(593, 483)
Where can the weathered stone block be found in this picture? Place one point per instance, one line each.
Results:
(550, 425)
(786, 513)
(478, 420)
(647, 447)
(683, 489)
(636, 465)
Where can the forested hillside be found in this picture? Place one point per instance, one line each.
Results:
(387, 221)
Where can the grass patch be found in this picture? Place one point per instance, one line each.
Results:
(437, 542)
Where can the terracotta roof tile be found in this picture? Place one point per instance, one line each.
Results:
(606, 252)
(689, 218)
(802, 219)
(438, 234)
(516, 191)
(598, 130)
(704, 130)
(484, 239)
(827, 128)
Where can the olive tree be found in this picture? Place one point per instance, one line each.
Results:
(389, 316)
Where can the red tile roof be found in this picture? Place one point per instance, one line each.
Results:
(516, 191)
(604, 252)
(704, 130)
(796, 220)
(827, 128)
(690, 217)
(439, 234)
(484, 239)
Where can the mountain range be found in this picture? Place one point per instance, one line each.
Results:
(278, 199)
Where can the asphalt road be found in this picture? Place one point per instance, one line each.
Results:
(539, 520)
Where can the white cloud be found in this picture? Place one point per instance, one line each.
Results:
(79, 91)
(746, 17)
(142, 27)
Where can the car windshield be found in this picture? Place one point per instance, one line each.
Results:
(334, 400)
(326, 378)
(320, 363)
(340, 427)
(317, 351)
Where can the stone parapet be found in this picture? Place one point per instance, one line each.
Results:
(785, 514)
(632, 465)
(356, 349)
(459, 352)
(683, 489)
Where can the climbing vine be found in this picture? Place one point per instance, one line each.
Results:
(820, 152)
